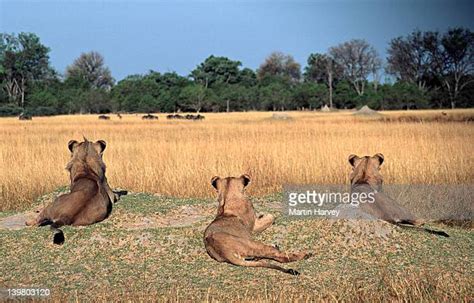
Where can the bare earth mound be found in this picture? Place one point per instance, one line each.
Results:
(325, 108)
(367, 111)
(17, 221)
(183, 216)
(281, 116)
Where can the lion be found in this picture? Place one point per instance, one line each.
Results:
(366, 178)
(90, 198)
(229, 237)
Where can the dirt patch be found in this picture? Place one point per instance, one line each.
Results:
(183, 216)
(359, 227)
(367, 111)
(16, 222)
(357, 230)
(281, 116)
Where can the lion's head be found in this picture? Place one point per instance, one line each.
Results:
(230, 185)
(86, 160)
(366, 170)
(231, 190)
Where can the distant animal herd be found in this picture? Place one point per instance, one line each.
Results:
(169, 117)
(228, 238)
(186, 117)
(197, 117)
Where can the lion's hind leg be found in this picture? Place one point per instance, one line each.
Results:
(275, 254)
(251, 254)
(262, 263)
(245, 252)
(252, 250)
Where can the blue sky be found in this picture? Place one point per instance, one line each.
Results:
(136, 36)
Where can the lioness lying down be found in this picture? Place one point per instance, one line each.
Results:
(366, 178)
(228, 237)
(90, 199)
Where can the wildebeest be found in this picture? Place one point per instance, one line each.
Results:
(366, 178)
(150, 117)
(229, 237)
(104, 117)
(199, 117)
(194, 117)
(175, 116)
(119, 116)
(90, 198)
(24, 117)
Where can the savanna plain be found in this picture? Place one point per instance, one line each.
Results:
(150, 249)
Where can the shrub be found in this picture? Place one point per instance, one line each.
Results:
(41, 111)
(9, 110)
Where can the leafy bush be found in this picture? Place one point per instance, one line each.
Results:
(41, 111)
(9, 110)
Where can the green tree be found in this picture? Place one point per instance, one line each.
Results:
(344, 95)
(147, 104)
(90, 67)
(408, 96)
(96, 101)
(163, 88)
(278, 64)
(195, 97)
(457, 61)
(322, 68)
(309, 95)
(247, 77)
(358, 60)
(23, 60)
(409, 59)
(233, 97)
(170, 86)
(275, 95)
(216, 70)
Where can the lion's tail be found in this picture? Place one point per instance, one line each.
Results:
(58, 235)
(436, 232)
(426, 229)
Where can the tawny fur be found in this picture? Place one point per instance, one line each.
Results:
(90, 198)
(229, 237)
(365, 177)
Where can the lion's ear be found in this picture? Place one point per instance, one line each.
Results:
(71, 145)
(214, 181)
(100, 146)
(245, 179)
(352, 158)
(380, 157)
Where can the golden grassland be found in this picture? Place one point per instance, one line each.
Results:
(178, 158)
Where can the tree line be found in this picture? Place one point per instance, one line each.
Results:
(422, 70)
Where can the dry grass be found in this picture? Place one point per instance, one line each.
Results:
(178, 158)
(411, 287)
